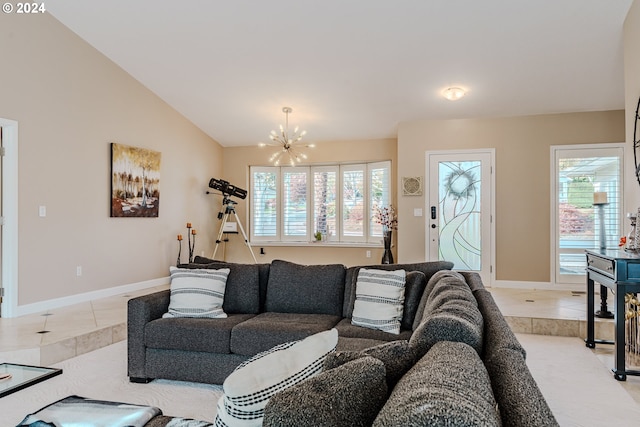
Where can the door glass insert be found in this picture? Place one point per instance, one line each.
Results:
(460, 233)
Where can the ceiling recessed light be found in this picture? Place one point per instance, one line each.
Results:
(453, 93)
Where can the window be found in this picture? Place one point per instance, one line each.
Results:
(292, 204)
(579, 172)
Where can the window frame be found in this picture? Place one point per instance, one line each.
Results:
(369, 237)
(592, 150)
(276, 236)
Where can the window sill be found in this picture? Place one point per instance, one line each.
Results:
(328, 244)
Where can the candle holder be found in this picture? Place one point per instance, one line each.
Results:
(178, 262)
(192, 244)
(191, 241)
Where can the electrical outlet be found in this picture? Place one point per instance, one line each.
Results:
(368, 254)
(79, 271)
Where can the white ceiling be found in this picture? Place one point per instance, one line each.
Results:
(354, 69)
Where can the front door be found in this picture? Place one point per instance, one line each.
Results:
(460, 210)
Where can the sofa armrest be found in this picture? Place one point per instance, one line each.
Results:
(140, 311)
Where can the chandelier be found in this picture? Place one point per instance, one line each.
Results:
(286, 143)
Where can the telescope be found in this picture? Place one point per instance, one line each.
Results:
(227, 189)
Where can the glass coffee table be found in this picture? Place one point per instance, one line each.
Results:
(23, 376)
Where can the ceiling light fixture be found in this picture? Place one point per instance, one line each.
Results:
(286, 141)
(453, 93)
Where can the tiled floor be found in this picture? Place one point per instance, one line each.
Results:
(544, 312)
(60, 334)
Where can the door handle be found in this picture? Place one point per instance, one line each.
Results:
(433, 212)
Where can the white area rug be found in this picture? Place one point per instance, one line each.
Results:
(102, 374)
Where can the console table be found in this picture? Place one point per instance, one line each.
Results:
(618, 271)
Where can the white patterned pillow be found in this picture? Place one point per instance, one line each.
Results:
(379, 299)
(250, 386)
(197, 292)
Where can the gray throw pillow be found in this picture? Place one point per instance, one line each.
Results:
(416, 281)
(449, 386)
(312, 289)
(349, 395)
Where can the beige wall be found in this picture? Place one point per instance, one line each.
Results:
(522, 146)
(632, 93)
(71, 102)
(236, 170)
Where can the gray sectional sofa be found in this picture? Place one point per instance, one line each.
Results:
(455, 350)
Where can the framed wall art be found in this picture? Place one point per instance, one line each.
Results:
(135, 181)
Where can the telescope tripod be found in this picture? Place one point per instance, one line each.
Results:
(228, 210)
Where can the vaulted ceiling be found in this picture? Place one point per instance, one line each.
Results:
(354, 69)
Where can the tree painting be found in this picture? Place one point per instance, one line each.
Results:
(135, 181)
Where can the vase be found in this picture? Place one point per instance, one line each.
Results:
(387, 255)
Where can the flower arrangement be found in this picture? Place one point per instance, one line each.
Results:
(385, 216)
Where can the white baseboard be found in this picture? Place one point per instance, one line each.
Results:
(37, 307)
(547, 286)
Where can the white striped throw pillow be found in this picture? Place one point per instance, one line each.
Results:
(250, 386)
(197, 292)
(379, 299)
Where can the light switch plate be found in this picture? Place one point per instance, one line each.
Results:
(42, 211)
(417, 212)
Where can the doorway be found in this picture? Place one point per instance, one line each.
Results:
(8, 217)
(460, 210)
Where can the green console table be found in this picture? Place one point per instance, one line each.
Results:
(618, 271)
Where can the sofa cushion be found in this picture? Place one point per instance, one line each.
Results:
(457, 320)
(356, 344)
(266, 330)
(397, 357)
(349, 395)
(428, 268)
(189, 334)
(520, 401)
(379, 299)
(449, 386)
(248, 389)
(197, 293)
(473, 279)
(497, 333)
(243, 284)
(312, 289)
(413, 289)
(450, 282)
(348, 330)
(447, 289)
